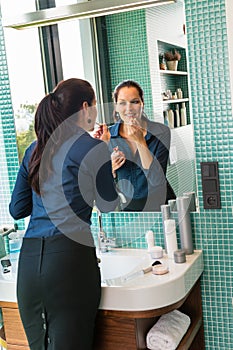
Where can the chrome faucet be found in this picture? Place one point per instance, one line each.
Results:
(105, 243)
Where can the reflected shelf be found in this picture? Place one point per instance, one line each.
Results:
(173, 72)
(177, 100)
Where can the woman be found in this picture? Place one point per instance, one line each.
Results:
(140, 150)
(58, 286)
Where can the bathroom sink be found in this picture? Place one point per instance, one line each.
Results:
(121, 265)
(147, 291)
(139, 292)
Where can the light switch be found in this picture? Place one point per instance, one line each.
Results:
(210, 185)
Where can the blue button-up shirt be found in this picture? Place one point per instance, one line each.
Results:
(80, 178)
(145, 189)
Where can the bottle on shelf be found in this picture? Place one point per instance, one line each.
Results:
(183, 114)
(179, 93)
(170, 116)
(169, 94)
(174, 96)
(177, 116)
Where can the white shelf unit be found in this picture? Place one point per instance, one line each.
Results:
(172, 80)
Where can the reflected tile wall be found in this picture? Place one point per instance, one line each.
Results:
(9, 156)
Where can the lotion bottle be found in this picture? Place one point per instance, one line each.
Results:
(166, 214)
(183, 115)
(150, 239)
(185, 224)
(171, 239)
(170, 117)
(177, 113)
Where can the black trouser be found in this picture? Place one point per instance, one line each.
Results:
(58, 291)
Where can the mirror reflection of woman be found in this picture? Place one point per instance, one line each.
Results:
(140, 150)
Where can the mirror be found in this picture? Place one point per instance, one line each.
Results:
(135, 41)
(139, 44)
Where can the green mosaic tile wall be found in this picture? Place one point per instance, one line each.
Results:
(9, 149)
(129, 61)
(213, 126)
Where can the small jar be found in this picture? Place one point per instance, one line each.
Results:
(179, 256)
(156, 252)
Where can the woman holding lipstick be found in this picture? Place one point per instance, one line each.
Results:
(140, 150)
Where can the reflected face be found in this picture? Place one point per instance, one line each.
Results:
(129, 104)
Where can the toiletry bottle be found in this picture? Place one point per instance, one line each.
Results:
(183, 115)
(150, 239)
(179, 93)
(174, 96)
(192, 200)
(166, 214)
(170, 119)
(170, 235)
(177, 114)
(184, 224)
(172, 203)
(169, 94)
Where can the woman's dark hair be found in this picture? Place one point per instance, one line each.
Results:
(65, 101)
(127, 83)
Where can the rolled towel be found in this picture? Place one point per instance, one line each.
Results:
(168, 331)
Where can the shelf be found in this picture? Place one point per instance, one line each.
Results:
(191, 334)
(177, 100)
(172, 72)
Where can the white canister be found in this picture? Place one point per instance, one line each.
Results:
(156, 252)
(170, 235)
(150, 239)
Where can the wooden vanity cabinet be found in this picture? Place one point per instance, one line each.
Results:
(128, 329)
(120, 329)
(14, 332)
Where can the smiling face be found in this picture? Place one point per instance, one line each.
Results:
(129, 104)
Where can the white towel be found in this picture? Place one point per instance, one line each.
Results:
(168, 331)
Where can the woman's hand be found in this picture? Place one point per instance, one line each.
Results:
(135, 131)
(102, 133)
(118, 159)
(136, 135)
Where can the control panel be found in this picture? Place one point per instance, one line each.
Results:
(210, 185)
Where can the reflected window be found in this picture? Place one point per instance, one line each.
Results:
(26, 75)
(26, 81)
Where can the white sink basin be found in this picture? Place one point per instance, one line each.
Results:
(140, 291)
(148, 291)
(118, 264)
